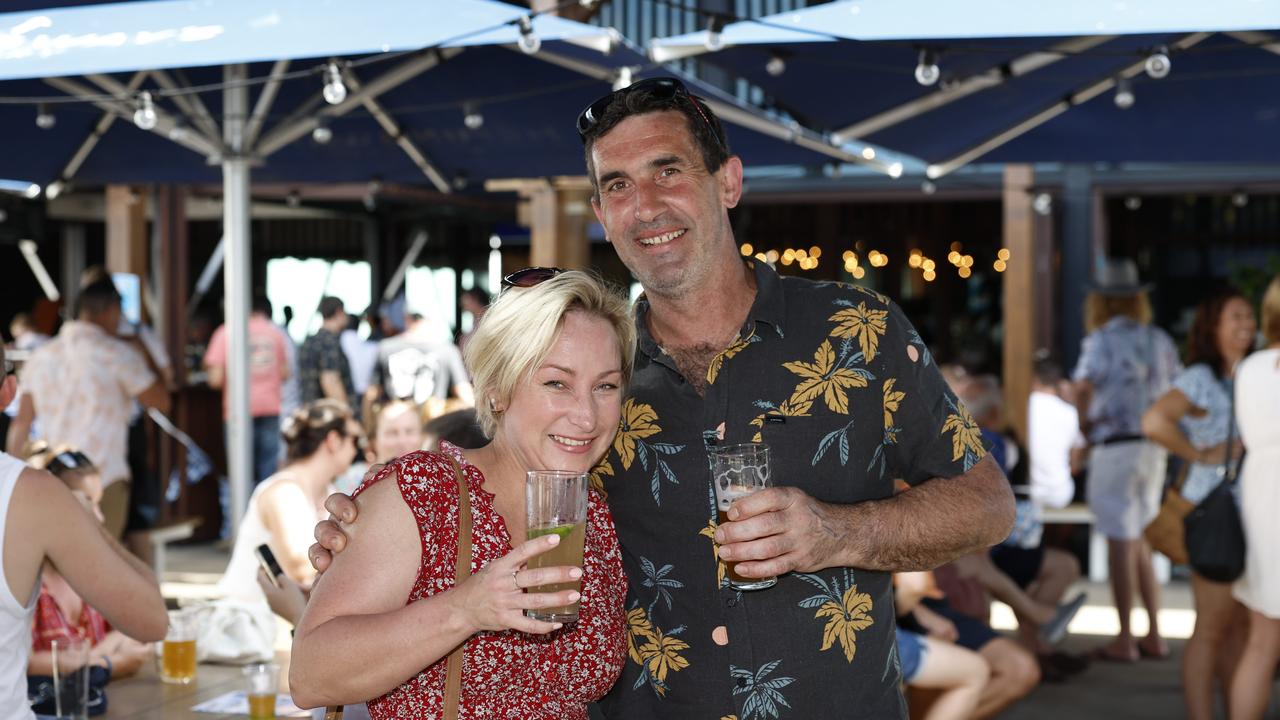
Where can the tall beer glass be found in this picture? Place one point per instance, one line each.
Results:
(556, 502)
(738, 471)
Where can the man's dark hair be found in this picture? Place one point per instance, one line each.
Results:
(97, 297)
(1046, 370)
(330, 306)
(479, 294)
(260, 304)
(703, 124)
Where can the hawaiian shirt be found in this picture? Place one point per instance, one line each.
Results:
(1129, 364)
(1212, 394)
(321, 352)
(840, 386)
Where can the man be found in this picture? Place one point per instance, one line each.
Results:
(268, 369)
(322, 366)
(474, 301)
(838, 384)
(417, 367)
(81, 386)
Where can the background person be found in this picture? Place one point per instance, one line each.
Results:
(934, 661)
(323, 369)
(1193, 420)
(1125, 364)
(1257, 385)
(551, 361)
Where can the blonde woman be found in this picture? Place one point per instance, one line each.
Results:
(549, 365)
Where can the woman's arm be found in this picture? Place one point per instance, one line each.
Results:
(358, 617)
(1160, 425)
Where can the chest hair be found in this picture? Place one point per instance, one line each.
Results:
(693, 363)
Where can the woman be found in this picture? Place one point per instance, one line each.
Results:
(61, 614)
(550, 362)
(1193, 421)
(1258, 413)
(322, 439)
(395, 429)
(1125, 363)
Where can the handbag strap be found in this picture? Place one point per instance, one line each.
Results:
(453, 677)
(1232, 467)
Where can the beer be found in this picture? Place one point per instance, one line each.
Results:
(736, 472)
(569, 554)
(730, 568)
(178, 661)
(262, 707)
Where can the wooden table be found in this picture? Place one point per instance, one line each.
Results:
(146, 697)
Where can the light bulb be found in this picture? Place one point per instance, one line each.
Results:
(145, 116)
(335, 91)
(1239, 199)
(460, 181)
(293, 200)
(1158, 64)
(472, 118)
(623, 78)
(1124, 94)
(54, 189)
(776, 65)
(530, 43)
(1133, 202)
(928, 188)
(45, 119)
(1042, 203)
(714, 41)
(178, 132)
(322, 133)
(927, 70)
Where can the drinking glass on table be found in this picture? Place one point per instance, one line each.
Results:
(178, 652)
(70, 678)
(738, 471)
(263, 683)
(556, 502)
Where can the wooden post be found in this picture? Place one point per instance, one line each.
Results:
(1019, 294)
(558, 212)
(126, 230)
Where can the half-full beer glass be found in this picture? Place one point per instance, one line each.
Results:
(178, 652)
(556, 502)
(738, 471)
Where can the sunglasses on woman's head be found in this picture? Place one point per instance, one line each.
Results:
(661, 88)
(530, 276)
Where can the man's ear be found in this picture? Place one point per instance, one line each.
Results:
(730, 175)
(595, 207)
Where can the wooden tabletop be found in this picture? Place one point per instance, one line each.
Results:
(146, 697)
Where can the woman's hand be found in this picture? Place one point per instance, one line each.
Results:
(495, 598)
(288, 601)
(1217, 454)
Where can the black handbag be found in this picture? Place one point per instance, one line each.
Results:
(1214, 532)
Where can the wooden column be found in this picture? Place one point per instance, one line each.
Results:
(127, 230)
(557, 212)
(1019, 294)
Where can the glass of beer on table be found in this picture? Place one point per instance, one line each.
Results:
(264, 682)
(738, 471)
(178, 652)
(556, 502)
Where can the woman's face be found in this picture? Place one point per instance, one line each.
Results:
(1236, 328)
(564, 415)
(399, 433)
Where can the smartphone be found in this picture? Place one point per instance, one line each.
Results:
(267, 559)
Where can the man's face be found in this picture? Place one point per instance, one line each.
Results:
(664, 213)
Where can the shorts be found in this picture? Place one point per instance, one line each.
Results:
(974, 634)
(1124, 487)
(1022, 565)
(911, 651)
(115, 507)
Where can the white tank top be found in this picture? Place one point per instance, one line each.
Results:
(15, 618)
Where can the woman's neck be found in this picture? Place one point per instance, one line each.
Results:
(314, 474)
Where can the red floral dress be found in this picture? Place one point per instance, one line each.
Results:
(50, 624)
(507, 674)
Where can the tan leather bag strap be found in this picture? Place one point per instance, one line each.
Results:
(453, 677)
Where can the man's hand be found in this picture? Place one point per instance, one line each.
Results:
(778, 530)
(330, 537)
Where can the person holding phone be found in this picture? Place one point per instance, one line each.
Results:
(550, 363)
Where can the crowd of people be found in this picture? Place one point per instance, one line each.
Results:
(904, 502)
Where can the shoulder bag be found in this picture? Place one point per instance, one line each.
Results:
(1214, 532)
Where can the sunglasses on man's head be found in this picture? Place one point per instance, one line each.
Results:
(68, 460)
(661, 88)
(530, 276)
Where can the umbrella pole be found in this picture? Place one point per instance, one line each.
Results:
(236, 279)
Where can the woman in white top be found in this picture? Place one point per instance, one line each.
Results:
(322, 439)
(48, 524)
(1258, 415)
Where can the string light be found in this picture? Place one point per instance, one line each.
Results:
(999, 266)
(964, 272)
(529, 43)
(776, 65)
(928, 188)
(714, 41)
(1158, 63)
(54, 189)
(293, 199)
(471, 117)
(929, 275)
(322, 133)
(622, 80)
(335, 91)
(1003, 254)
(1042, 203)
(1124, 94)
(145, 116)
(1239, 199)
(927, 70)
(460, 181)
(45, 119)
(746, 249)
(1133, 202)
(772, 256)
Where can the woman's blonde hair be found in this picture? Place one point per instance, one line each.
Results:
(520, 327)
(1271, 313)
(1099, 308)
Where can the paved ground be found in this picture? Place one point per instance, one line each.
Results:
(1147, 689)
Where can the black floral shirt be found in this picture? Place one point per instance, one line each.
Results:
(837, 382)
(321, 352)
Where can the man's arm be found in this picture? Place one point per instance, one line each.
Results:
(20, 427)
(332, 387)
(782, 529)
(1084, 396)
(216, 375)
(156, 396)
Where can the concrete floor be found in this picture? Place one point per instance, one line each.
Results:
(1147, 689)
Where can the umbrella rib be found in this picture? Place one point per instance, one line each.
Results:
(306, 117)
(189, 103)
(99, 129)
(987, 79)
(265, 100)
(1077, 97)
(1261, 40)
(392, 128)
(164, 122)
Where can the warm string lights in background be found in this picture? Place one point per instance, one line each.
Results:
(916, 260)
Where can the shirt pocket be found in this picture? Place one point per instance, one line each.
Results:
(820, 455)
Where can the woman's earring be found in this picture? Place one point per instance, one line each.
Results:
(493, 406)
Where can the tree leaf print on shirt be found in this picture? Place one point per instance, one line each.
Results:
(718, 361)
(848, 612)
(866, 326)
(657, 653)
(764, 694)
(602, 470)
(787, 408)
(710, 532)
(639, 421)
(657, 578)
(966, 436)
(823, 378)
